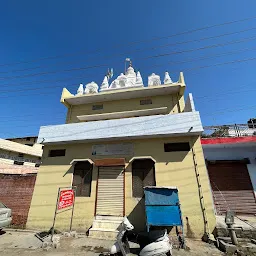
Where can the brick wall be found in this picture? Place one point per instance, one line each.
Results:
(16, 193)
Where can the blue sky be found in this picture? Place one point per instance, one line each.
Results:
(90, 33)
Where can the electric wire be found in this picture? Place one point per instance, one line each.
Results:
(145, 58)
(186, 69)
(140, 49)
(136, 42)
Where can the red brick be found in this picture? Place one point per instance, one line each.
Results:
(16, 192)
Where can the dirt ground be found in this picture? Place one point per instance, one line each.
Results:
(26, 244)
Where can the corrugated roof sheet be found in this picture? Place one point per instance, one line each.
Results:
(174, 124)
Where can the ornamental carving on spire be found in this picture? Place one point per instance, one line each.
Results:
(154, 80)
(91, 88)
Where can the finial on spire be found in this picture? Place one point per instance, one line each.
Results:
(130, 63)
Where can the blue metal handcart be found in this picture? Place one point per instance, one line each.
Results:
(162, 207)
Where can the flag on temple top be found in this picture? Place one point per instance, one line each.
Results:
(127, 59)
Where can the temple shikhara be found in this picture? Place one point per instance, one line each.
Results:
(127, 80)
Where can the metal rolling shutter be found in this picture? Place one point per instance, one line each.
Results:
(110, 196)
(232, 188)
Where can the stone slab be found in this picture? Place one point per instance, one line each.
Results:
(226, 247)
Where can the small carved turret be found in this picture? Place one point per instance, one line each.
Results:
(104, 84)
(167, 79)
(80, 90)
(131, 77)
(114, 84)
(154, 80)
(139, 81)
(91, 88)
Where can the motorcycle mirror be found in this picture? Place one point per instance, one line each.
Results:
(127, 224)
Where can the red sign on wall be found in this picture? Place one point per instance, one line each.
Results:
(66, 198)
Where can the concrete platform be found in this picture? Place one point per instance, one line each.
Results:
(245, 227)
(245, 246)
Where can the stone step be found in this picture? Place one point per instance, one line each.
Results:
(109, 217)
(106, 224)
(102, 233)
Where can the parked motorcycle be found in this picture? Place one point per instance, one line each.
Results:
(151, 243)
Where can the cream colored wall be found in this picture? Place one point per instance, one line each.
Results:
(181, 102)
(10, 155)
(172, 169)
(176, 169)
(169, 101)
(32, 140)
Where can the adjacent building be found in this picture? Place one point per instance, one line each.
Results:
(117, 139)
(29, 141)
(15, 153)
(231, 164)
(18, 169)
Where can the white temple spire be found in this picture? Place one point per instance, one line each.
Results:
(131, 76)
(104, 84)
(167, 79)
(154, 80)
(91, 88)
(127, 80)
(114, 84)
(139, 81)
(80, 90)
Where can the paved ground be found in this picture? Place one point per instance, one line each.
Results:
(26, 244)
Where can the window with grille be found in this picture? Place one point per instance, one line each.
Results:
(143, 174)
(82, 179)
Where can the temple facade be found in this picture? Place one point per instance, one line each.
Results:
(118, 138)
